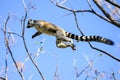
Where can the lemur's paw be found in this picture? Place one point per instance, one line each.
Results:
(73, 47)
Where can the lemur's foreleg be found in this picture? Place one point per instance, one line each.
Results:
(36, 34)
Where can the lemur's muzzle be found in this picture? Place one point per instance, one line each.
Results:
(29, 25)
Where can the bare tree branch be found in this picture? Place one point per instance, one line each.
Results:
(77, 11)
(91, 44)
(108, 19)
(24, 42)
(114, 22)
(74, 13)
(7, 45)
(114, 4)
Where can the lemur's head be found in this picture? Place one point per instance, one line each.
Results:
(31, 23)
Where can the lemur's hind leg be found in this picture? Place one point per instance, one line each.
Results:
(64, 42)
(36, 34)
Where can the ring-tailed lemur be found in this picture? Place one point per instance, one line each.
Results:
(63, 38)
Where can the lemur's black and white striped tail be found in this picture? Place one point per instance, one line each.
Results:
(90, 38)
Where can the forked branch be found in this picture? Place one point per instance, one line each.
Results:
(77, 25)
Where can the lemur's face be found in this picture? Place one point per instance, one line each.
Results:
(30, 23)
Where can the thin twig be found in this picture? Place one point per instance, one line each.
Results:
(93, 11)
(114, 78)
(77, 25)
(83, 70)
(6, 65)
(56, 75)
(104, 52)
(89, 3)
(14, 34)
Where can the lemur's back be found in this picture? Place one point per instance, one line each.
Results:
(48, 28)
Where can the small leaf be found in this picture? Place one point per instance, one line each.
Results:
(100, 54)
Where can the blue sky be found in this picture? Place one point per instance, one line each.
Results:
(64, 58)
